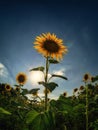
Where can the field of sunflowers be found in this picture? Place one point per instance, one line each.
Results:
(76, 112)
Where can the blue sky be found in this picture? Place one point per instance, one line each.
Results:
(74, 21)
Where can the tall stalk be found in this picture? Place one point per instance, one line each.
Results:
(46, 79)
(86, 107)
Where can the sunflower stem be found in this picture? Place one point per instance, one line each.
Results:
(46, 80)
(86, 107)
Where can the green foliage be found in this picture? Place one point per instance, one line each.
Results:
(59, 76)
(24, 91)
(3, 111)
(51, 86)
(53, 61)
(94, 125)
(34, 90)
(41, 68)
(31, 116)
(64, 105)
(94, 79)
(40, 121)
(63, 113)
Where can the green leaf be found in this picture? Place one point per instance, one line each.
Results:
(80, 108)
(52, 103)
(3, 111)
(59, 76)
(62, 105)
(24, 91)
(51, 86)
(41, 68)
(31, 116)
(51, 120)
(40, 121)
(34, 90)
(95, 78)
(52, 61)
(42, 83)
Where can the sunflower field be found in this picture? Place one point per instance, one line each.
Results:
(17, 112)
(76, 112)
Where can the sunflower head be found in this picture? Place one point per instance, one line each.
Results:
(75, 90)
(65, 94)
(17, 89)
(86, 77)
(92, 79)
(21, 78)
(81, 88)
(50, 46)
(8, 87)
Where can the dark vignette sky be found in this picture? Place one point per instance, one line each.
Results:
(76, 22)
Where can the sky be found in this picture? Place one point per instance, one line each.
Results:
(74, 21)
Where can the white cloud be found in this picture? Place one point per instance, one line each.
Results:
(5, 75)
(60, 72)
(41, 95)
(53, 96)
(35, 77)
(3, 71)
(56, 93)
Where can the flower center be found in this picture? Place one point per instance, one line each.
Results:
(8, 87)
(17, 89)
(51, 46)
(86, 77)
(21, 78)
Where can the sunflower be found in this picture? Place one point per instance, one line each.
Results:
(92, 79)
(75, 90)
(21, 78)
(8, 87)
(81, 88)
(65, 94)
(17, 89)
(50, 46)
(87, 77)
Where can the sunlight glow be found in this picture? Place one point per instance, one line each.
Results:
(36, 76)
